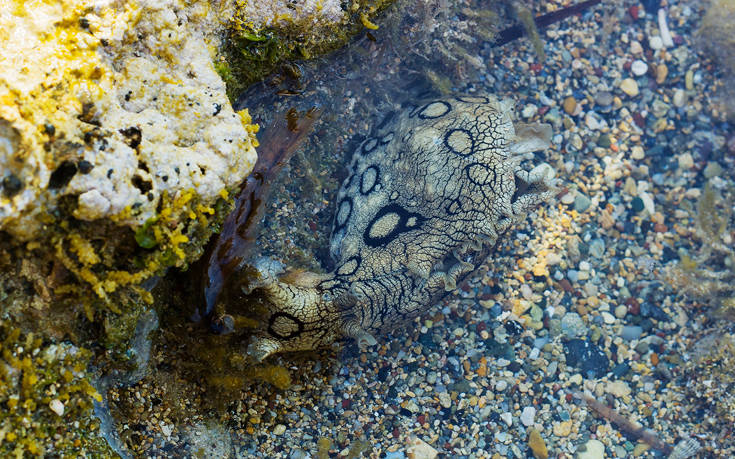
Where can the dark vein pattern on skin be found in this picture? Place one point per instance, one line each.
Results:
(426, 193)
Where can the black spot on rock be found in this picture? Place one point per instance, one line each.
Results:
(62, 175)
(11, 185)
(133, 136)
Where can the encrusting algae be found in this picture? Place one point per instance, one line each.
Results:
(44, 390)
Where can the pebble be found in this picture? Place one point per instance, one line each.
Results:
(685, 161)
(279, 429)
(656, 43)
(507, 418)
(529, 111)
(636, 47)
(680, 98)
(569, 105)
(608, 318)
(537, 444)
(662, 71)
(57, 406)
(581, 202)
(527, 416)
(419, 449)
(618, 388)
(637, 152)
(587, 356)
(604, 98)
(593, 449)
(445, 400)
(629, 86)
(639, 68)
(621, 311)
(572, 325)
(563, 428)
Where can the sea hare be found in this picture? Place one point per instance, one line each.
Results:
(428, 193)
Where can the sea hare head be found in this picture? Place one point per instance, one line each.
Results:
(433, 186)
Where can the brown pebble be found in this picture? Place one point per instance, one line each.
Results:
(634, 307)
(654, 359)
(660, 228)
(570, 105)
(566, 285)
(661, 73)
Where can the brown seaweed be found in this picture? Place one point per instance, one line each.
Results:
(233, 245)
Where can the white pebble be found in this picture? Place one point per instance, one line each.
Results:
(500, 386)
(584, 266)
(639, 67)
(685, 161)
(527, 415)
(636, 47)
(508, 418)
(529, 110)
(56, 406)
(608, 318)
(656, 43)
(666, 38)
(680, 98)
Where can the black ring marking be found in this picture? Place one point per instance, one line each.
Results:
(376, 180)
(424, 116)
(473, 99)
(337, 224)
(460, 132)
(407, 221)
(357, 259)
(369, 145)
(272, 321)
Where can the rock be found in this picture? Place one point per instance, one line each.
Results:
(629, 86)
(581, 202)
(537, 444)
(680, 98)
(572, 325)
(419, 449)
(656, 43)
(593, 449)
(662, 71)
(713, 169)
(56, 406)
(527, 416)
(124, 133)
(639, 68)
(604, 98)
(608, 318)
(617, 388)
(569, 105)
(279, 429)
(563, 428)
(621, 311)
(588, 357)
(529, 111)
(636, 47)
(637, 152)
(685, 161)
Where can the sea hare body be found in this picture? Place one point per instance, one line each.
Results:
(429, 190)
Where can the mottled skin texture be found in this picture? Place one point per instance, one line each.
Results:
(430, 188)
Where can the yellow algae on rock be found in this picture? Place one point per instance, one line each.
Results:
(107, 106)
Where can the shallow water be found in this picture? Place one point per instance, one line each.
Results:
(595, 295)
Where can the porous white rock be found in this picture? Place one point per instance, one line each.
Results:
(121, 106)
